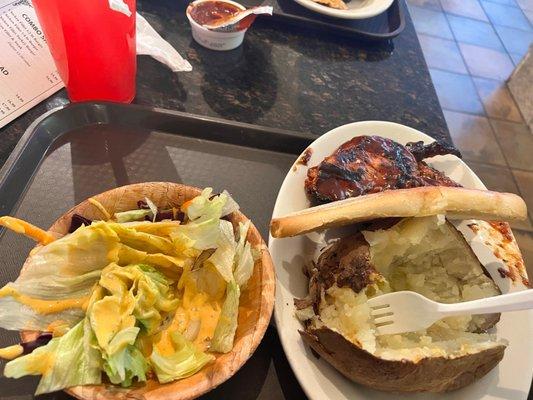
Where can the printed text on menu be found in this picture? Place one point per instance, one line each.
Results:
(27, 71)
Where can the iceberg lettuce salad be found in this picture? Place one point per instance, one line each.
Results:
(147, 293)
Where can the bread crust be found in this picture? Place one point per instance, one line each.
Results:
(456, 202)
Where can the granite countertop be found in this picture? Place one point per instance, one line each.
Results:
(301, 81)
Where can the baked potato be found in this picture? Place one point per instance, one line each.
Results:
(426, 255)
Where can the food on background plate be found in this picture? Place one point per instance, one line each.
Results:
(426, 255)
(152, 291)
(338, 4)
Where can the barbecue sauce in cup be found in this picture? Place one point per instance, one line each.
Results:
(208, 12)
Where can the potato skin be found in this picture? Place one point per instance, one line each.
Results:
(483, 321)
(435, 374)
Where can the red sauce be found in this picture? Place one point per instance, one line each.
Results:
(503, 228)
(505, 274)
(306, 156)
(209, 12)
(304, 159)
(474, 227)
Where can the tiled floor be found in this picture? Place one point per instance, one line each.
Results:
(471, 48)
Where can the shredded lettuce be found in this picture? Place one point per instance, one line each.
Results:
(243, 232)
(230, 206)
(132, 293)
(160, 228)
(222, 258)
(122, 361)
(118, 283)
(122, 339)
(206, 206)
(222, 341)
(132, 215)
(141, 240)
(245, 265)
(203, 230)
(185, 361)
(125, 365)
(171, 266)
(66, 268)
(67, 361)
(244, 260)
(194, 236)
(205, 279)
(152, 207)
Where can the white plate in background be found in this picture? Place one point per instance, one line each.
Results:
(357, 9)
(511, 379)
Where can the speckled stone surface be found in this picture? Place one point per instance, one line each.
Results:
(301, 81)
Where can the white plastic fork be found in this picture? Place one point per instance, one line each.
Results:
(407, 311)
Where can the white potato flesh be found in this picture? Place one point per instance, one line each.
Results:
(426, 255)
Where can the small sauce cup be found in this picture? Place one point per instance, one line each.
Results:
(214, 40)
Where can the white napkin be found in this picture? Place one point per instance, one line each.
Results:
(150, 43)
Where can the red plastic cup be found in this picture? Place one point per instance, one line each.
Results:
(93, 47)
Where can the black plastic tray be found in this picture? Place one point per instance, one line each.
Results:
(82, 149)
(386, 25)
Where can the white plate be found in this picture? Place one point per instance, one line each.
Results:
(511, 379)
(357, 9)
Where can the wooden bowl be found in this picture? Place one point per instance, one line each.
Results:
(255, 308)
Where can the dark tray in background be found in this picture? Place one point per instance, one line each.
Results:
(86, 148)
(386, 25)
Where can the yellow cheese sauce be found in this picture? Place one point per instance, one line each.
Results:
(20, 226)
(42, 366)
(45, 306)
(11, 352)
(58, 328)
(195, 308)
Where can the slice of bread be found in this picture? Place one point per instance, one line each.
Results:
(455, 202)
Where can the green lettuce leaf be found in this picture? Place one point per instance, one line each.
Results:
(230, 205)
(141, 240)
(152, 208)
(171, 266)
(206, 206)
(122, 339)
(67, 361)
(160, 228)
(207, 280)
(131, 293)
(193, 237)
(126, 365)
(244, 260)
(66, 268)
(222, 258)
(185, 361)
(222, 341)
(132, 215)
(203, 230)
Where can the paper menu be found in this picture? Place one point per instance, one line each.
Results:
(27, 71)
